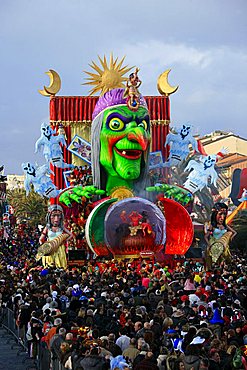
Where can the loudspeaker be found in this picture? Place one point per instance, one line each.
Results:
(76, 255)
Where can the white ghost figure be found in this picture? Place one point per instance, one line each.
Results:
(39, 177)
(51, 144)
(179, 145)
(202, 171)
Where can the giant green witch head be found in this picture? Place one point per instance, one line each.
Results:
(120, 142)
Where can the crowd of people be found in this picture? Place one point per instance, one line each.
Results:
(132, 314)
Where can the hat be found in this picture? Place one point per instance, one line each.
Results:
(57, 321)
(217, 319)
(104, 337)
(171, 331)
(83, 298)
(184, 298)
(44, 272)
(197, 340)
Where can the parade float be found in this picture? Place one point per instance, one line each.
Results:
(118, 141)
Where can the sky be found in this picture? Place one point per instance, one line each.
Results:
(203, 42)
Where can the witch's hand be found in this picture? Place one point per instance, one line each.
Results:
(78, 194)
(177, 193)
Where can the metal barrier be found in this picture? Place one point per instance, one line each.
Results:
(8, 322)
(43, 360)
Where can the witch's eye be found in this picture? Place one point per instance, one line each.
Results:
(116, 124)
(143, 124)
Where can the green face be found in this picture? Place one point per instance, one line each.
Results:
(124, 139)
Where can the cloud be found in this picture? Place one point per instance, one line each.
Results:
(156, 52)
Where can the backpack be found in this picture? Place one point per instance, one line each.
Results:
(237, 359)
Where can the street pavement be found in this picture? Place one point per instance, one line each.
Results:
(9, 357)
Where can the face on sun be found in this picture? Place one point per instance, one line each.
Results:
(124, 139)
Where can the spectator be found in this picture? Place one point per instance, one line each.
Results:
(148, 363)
(214, 360)
(93, 360)
(123, 341)
(131, 351)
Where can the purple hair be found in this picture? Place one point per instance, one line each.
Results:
(112, 98)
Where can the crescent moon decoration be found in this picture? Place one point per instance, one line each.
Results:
(163, 85)
(55, 84)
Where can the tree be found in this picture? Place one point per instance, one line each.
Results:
(32, 208)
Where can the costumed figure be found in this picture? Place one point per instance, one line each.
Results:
(52, 249)
(218, 236)
(131, 91)
(202, 172)
(179, 145)
(120, 140)
(138, 232)
(39, 177)
(51, 144)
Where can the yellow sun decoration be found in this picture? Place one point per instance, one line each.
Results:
(107, 77)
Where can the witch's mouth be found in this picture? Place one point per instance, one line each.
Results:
(129, 153)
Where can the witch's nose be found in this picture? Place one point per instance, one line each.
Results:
(139, 136)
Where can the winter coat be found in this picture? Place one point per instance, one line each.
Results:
(131, 352)
(93, 363)
(146, 364)
(192, 361)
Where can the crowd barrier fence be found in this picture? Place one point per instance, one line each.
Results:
(43, 359)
